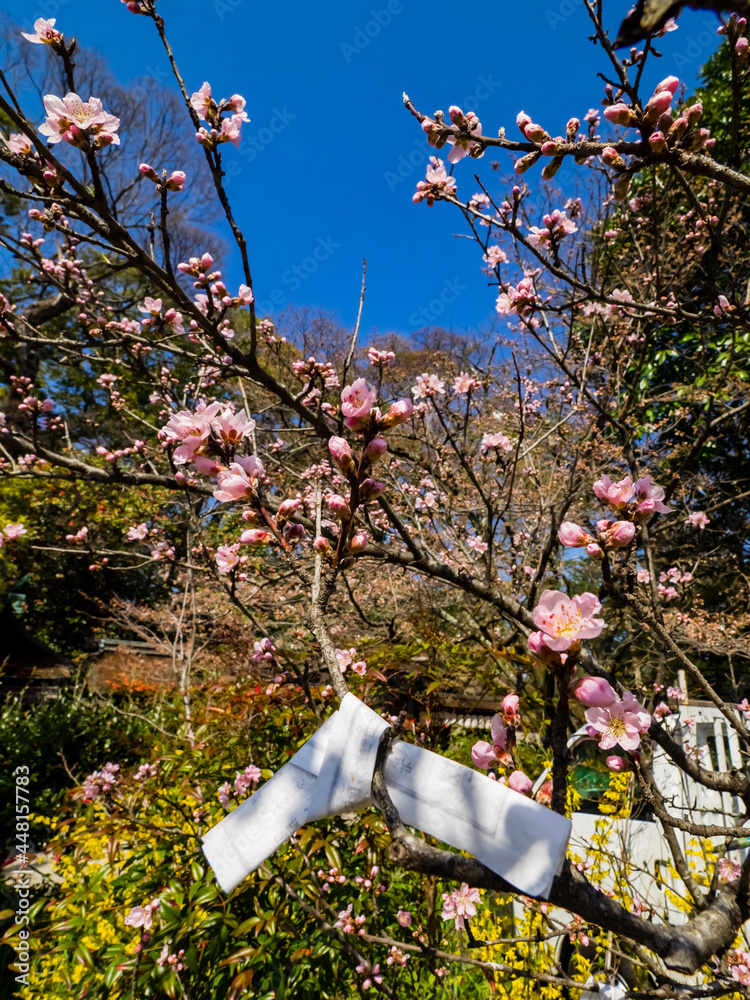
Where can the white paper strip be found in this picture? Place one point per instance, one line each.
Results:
(522, 841)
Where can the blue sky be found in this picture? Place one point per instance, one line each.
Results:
(330, 159)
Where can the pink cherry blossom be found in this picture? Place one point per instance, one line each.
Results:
(572, 535)
(465, 383)
(729, 870)
(621, 723)
(45, 32)
(468, 128)
(404, 918)
(557, 225)
(646, 490)
(565, 620)
(521, 299)
(68, 117)
(437, 184)
(18, 143)
(202, 102)
(138, 533)
(233, 427)
(486, 755)
(235, 484)
(12, 531)
(227, 557)
(617, 495)
(498, 440)
(697, 519)
(427, 385)
(511, 715)
(460, 904)
(358, 399)
(341, 453)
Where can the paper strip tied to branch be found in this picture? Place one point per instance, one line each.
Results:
(520, 840)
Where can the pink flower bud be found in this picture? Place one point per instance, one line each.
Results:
(398, 413)
(341, 453)
(657, 142)
(483, 755)
(338, 506)
(535, 133)
(255, 536)
(526, 162)
(520, 783)
(620, 114)
(658, 104)
(287, 508)
(621, 533)
(321, 545)
(677, 130)
(572, 535)
(693, 113)
(643, 511)
(620, 187)
(594, 692)
(594, 550)
(293, 532)
(618, 764)
(370, 489)
(611, 157)
(551, 148)
(206, 261)
(571, 129)
(358, 542)
(670, 83)
(376, 449)
(522, 120)
(176, 180)
(511, 715)
(148, 171)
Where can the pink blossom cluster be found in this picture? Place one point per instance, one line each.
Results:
(436, 185)
(497, 442)
(220, 129)
(380, 358)
(100, 782)
(170, 960)
(460, 905)
(349, 658)
(520, 300)
(498, 752)
(250, 776)
(729, 870)
(143, 916)
(612, 721)
(263, 649)
(464, 383)
(80, 536)
(11, 532)
(84, 124)
(332, 875)
(397, 957)
(556, 226)
(145, 771)
(427, 386)
(739, 965)
(462, 134)
(175, 181)
(227, 558)
(371, 973)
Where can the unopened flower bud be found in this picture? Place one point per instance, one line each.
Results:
(341, 454)
(678, 129)
(693, 114)
(322, 546)
(358, 542)
(670, 83)
(621, 533)
(519, 782)
(571, 129)
(620, 114)
(657, 142)
(594, 550)
(550, 169)
(526, 162)
(618, 764)
(572, 535)
(376, 449)
(255, 536)
(370, 489)
(148, 171)
(611, 157)
(398, 413)
(286, 509)
(594, 692)
(620, 187)
(338, 506)
(658, 104)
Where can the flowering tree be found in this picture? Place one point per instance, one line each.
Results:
(361, 488)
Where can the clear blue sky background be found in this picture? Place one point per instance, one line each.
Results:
(331, 158)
